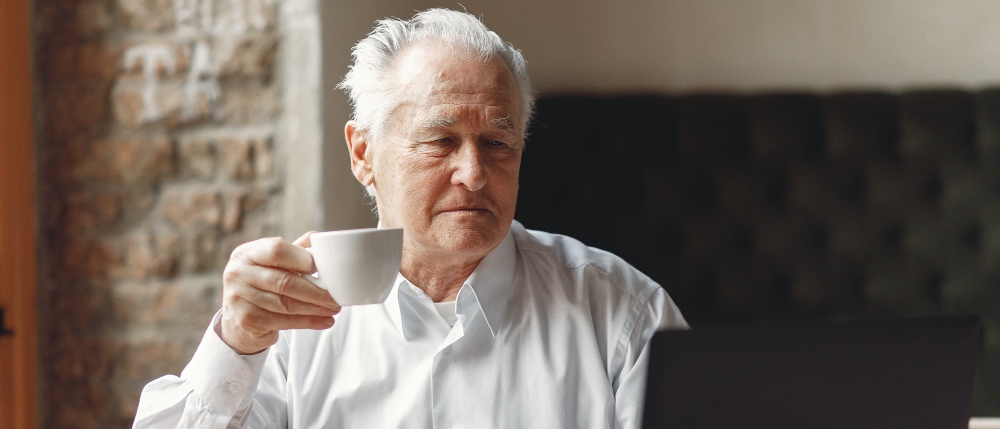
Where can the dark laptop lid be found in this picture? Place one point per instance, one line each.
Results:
(888, 373)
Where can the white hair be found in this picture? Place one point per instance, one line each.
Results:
(368, 82)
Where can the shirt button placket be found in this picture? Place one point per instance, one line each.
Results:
(439, 400)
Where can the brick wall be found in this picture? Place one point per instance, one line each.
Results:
(158, 154)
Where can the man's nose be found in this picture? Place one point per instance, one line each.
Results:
(469, 169)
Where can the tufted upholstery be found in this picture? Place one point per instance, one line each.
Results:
(786, 205)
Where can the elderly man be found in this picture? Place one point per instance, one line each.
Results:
(488, 324)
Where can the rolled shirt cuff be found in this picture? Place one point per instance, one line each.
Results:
(223, 378)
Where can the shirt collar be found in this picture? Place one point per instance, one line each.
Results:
(492, 282)
(392, 304)
(488, 288)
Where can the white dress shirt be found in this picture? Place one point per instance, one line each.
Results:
(550, 334)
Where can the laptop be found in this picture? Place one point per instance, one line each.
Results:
(913, 373)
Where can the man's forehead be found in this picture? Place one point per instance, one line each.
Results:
(439, 86)
(428, 57)
(498, 119)
(431, 69)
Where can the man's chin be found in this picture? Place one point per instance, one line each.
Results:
(471, 240)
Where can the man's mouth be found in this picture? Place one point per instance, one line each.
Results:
(471, 209)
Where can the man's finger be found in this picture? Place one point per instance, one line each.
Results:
(280, 322)
(282, 304)
(304, 241)
(249, 329)
(277, 253)
(286, 283)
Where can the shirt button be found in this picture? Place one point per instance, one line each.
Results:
(234, 387)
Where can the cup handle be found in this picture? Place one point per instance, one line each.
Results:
(314, 277)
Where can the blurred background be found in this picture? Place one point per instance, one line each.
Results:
(761, 159)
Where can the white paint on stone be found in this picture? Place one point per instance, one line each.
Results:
(202, 18)
(202, 81)
(197, 21)
(151, 57)
(243, 15)
(193, 17)
(257, 13)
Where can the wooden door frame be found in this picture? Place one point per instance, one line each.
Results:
(19, 377)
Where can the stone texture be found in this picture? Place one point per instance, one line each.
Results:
(186, 303)
(82, 61)
(73, 21)
(90, 211)
(250, 105)
(191, 208)
(245, 157)
(146, 15)
(200, 251)
(94, 16)
(197, 158)
(87, 259)
(174, 64)
(232, 210)
(236, 158)
(263, 157)
(128, 105)
(150, 255)
(132, 161)
(75, 107)
(249, 56)
(142, 204)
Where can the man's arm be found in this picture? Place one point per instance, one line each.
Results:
(263, 293)
(218, 389)
(659, 313)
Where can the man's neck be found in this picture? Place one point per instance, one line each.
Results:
(440, 280)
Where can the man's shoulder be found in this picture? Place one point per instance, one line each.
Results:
(550, 251)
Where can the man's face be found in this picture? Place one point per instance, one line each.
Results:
(446, 166)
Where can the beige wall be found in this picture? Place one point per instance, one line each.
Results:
(691, 45)
(344, 23)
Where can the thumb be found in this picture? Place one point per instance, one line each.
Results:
(304, 241)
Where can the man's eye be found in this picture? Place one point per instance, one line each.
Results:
(436, 147)
(497, 143)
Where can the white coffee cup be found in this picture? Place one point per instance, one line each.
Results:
(357, 266)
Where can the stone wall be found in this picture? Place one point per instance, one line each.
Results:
(162, 143)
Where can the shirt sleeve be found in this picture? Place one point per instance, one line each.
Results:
(217, 389)
(658, 313)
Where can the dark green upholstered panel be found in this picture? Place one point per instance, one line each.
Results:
(785, 205)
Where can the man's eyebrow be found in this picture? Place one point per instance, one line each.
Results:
(438, 122)
(503, 124)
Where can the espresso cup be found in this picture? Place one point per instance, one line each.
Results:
(356, 266)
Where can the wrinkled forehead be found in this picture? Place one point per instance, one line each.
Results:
(431, 73)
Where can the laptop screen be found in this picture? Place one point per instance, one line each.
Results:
(879, 373)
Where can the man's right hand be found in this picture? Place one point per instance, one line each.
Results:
(263, 293)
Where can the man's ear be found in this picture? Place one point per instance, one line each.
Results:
(357, 146)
